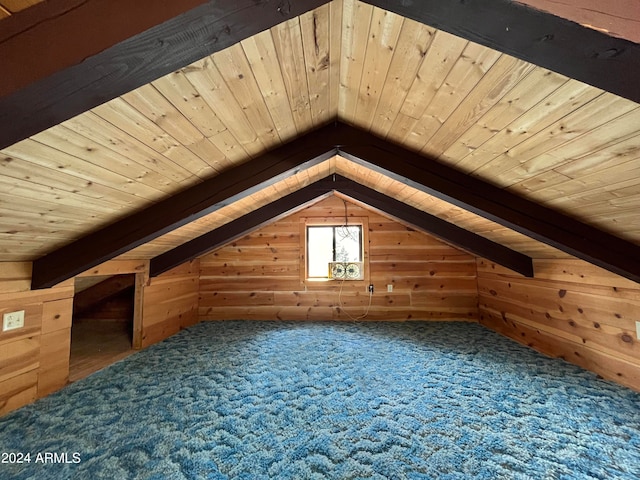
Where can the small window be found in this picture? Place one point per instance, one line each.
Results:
(332, 243)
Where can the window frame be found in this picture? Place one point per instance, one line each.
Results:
(322, 282)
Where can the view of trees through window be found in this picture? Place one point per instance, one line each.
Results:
(336, 243)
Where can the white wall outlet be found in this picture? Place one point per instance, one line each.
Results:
(389, 287)
(13, 320)
(638, 330)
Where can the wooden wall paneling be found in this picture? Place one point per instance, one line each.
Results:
(287, 39)
(578, 271)
(315, 30)
(20, 356)
(170, 303)
(381, 47)
(570, 309)
(14, 276)
(258, 276)
(53, 372)
(18, 391)
(356, 21)
(260, 51)
(609, 367)
(57, 315)
(239, 227)
(412, 46)
(32, 320)
(141, 281)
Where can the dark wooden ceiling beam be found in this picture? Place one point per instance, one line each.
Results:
(442, 181)
(448, 232)
(63, 57)
(593, 57)
(501, 206)
(295, 201)
(241, 226)
(183, 208)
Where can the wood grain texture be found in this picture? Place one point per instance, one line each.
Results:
(546, 40)
(570, 309)
(18, 391)
(60, 69)
(170, 303)
(53, 373)
(259, 275)
(558, 141)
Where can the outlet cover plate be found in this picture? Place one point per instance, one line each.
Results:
(638, 330)
(13, 320)
(390, 287)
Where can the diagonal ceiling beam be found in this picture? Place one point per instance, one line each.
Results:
(295, 201)
(448, 232)
(498, 205)
(442, 181)
(566, 47)
(240, 227)
(63, 57)
(183, 208)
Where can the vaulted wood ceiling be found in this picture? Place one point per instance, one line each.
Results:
(552, 139)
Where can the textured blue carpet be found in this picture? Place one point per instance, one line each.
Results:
(327, 400)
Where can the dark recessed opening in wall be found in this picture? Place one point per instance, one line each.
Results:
(102, 329)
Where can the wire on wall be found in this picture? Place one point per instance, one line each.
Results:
(340, 305)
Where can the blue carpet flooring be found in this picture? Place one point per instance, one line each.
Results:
(285, 400)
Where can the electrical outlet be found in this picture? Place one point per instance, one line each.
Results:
(389, 287)
(13, 320)
(371, 288)
(638, 330)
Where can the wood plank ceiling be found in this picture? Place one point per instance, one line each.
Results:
(555, 140)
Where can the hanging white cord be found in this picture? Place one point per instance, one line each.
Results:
(340, 305)
(355, 319)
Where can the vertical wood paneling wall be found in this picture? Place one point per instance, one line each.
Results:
(571, 309)
(170, 303)
(259, 276)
